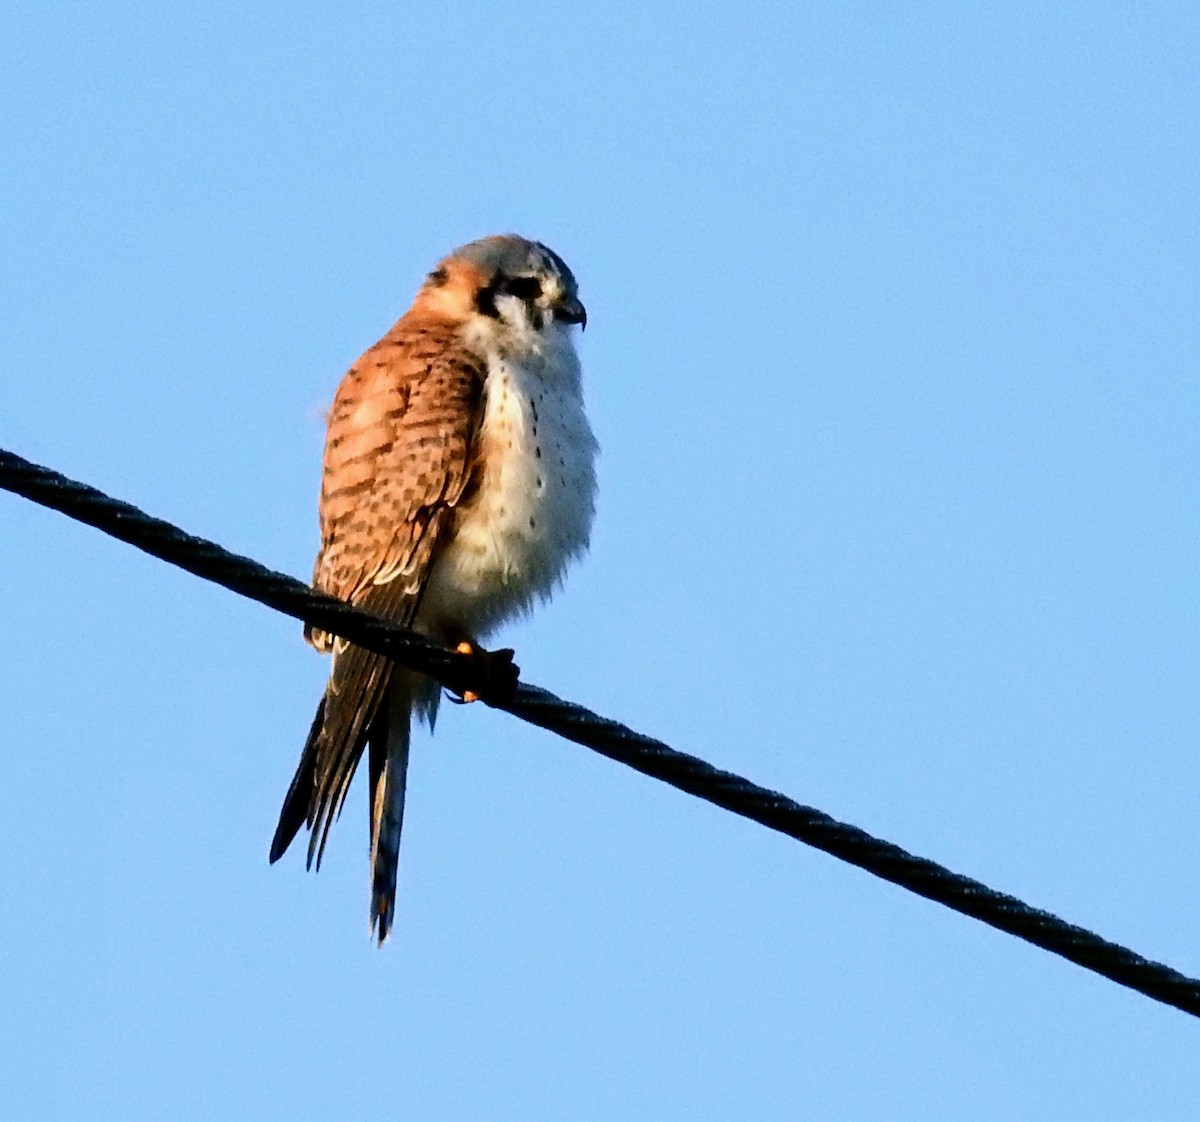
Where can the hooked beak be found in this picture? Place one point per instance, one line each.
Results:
(571, 310)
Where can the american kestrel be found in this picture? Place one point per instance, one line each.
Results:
(458, 484)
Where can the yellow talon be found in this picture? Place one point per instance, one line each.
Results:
(467, 649)
(495, 672)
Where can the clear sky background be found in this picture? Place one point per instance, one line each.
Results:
(893, 350)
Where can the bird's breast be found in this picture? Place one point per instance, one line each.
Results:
(531, 512)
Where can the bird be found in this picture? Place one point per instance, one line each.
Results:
(458, 484)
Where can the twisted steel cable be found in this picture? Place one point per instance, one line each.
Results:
(651, 757)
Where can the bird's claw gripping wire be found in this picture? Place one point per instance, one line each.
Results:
(489, 676)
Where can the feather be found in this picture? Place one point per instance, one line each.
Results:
(389, 746)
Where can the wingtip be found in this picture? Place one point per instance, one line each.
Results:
(297, 803)
(280, 842)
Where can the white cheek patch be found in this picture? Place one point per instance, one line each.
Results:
(522, 320)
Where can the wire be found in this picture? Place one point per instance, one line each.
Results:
(574, 722)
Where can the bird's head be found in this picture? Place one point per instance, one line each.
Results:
(507, 284)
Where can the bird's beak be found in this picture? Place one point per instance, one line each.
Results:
(571, 310)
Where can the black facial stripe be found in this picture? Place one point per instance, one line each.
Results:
(485, 302)
(523, 288)
(527, 289)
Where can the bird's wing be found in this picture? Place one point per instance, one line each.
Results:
(399, 456)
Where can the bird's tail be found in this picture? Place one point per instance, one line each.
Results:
(367, 705)
(389, 741)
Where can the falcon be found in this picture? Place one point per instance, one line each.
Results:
(458, 484)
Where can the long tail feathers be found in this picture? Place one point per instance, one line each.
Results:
(389, 742)
(367, 704)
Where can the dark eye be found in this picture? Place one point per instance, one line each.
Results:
(523, 288)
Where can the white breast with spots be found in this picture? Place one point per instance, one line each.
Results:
(533, 511)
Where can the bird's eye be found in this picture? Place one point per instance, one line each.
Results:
(523, 288)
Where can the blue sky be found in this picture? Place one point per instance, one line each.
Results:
(892, 353)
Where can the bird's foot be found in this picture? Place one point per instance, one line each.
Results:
(493, 675)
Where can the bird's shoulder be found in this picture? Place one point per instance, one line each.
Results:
(420, 354)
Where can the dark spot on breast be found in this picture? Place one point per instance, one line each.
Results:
(532, 524)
